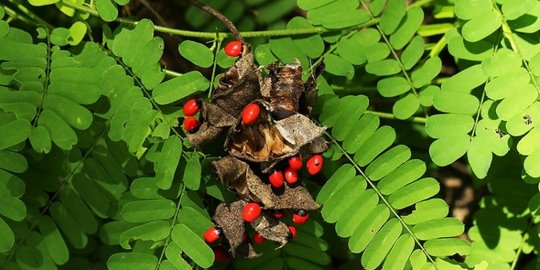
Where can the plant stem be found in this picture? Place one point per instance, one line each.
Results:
(30, 14)
(208, 9)
(206, 35)
(420, 120)
(172, 73)
(13, 14)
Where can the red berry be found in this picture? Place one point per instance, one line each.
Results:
(314, 164)
(276, 179)
(291, 176)
(292, 232)
(191, 124)
(212, 235)
(300, 217)
(251, 211)
(191, 107)
(278, 214)
(258, 238)
(295, 163)
(233, 48)
(250, 113)
(220, 254)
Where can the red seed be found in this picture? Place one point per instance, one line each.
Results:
(258, 238)
(250, 113)
(276, 179)
(191, 107)
(233, 48)
(295, 163)
(220, 254)
(291, 176)
(300, 217)
(251, 211)
(191, 124)
(292, 232)
(212, 235)
(278, 214)
(314, 164)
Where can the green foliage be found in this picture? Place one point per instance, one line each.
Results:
(96, 172)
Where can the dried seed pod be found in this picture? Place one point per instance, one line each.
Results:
(229, 218)
(295, 198)
(239, 86)
(214, 122)
(271, 228)
(283, 88)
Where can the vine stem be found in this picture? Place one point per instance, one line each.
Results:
(30, 14)
(206, 35)
(208, 9)
(419, 120)
(381, 196)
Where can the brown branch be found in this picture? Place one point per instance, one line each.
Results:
(220, 17)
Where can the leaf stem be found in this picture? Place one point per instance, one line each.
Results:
(30, 14)
(208, 9)
(205, 35)
(13, 14)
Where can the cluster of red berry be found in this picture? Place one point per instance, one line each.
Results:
(275, 127)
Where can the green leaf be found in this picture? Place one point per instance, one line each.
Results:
(388, 162)
(12, 161)
(173, 255)
(263, 55)
(42, 2)
(7, 236)
(53, 240)
(360, 205)
(438, 228)
(61, 133)
(110, 232)
(531, 164)
(196, 53)
(80, 211)
(482, 26)
(392, 15)
(468, 9)
(151, 231)
(517, 102)
(446, 150)
(168, 161)
(106, 10)
(351, 110)
(412, 54)
(345, 18)
(286, 50)
(72, 113)
(474, 51)
(92, 194)
(504, 85)
(77, 31)
(383, 68)
(11, 184)
(393, 86)
(431, 209)
(337, 180)
(14, 132)
(447, 247)
(479, 156)
(445, 125)
(397, 258)
(368, 228)
(132, 261)
(426, 95)
(454, 102)
(148, 210)
(180, 87)
(192, 245)
(427, 72)
(466, 80)
(513, 10)
(504, 61)
(364, 129)
(379, 247)
(316, 15)
(414, 192)
(378, 142)
(40, 139)
(406, 106)
(407, 28)
(194, 220)
(401, 176)
(69, 225)
(192, 172)
(60, 36)
(335, 206)
(312, 4)
(338, 66)
(311, 45)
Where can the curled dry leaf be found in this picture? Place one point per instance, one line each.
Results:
(283, 88)
(271, 228)
(215, 121)
(229, 218)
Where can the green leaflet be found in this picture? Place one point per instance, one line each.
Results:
(438, 228)
(107, 10)
(381, 244)
(53, 240)
(192, 172)
(169, 158)
(7, 234)
(196, 53)
(180, 87)
(134, 260)
(14, 132)
(151, 231)
(312, 46)
(192, 245)
(391, 17)
(148, 210)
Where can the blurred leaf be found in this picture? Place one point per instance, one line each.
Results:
(7, 235)
(148, 210)
(133, 261)
(53, 240)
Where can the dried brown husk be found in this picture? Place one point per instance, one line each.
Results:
(271, 228)
(283, 88)
(238, 176)
(239, 86)
(229, 218)
(294, 198)
(215, 122)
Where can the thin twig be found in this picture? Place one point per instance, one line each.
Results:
(220, 17)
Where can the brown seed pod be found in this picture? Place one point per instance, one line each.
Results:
(283, 88)
(229, 218)
(215, 121)
(271, 228)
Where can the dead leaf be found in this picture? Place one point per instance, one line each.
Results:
(215, 121)
(271, 228)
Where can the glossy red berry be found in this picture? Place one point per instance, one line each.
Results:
(300, 217)
(314, 164)
(276, 179)
(295, 163)
(191, 107)
(250, 113)
(292, 232)
(233, 48)
(191, 124)
(291, 176)
(220, 254)
(258, 238)
(212, 235)
(251, 211)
